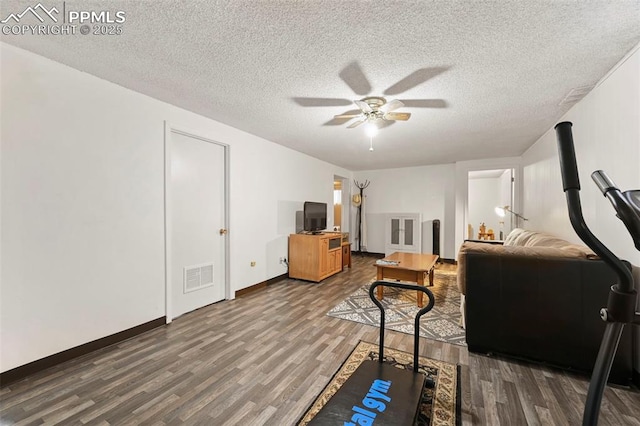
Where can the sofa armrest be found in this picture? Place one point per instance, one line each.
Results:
(473, 246)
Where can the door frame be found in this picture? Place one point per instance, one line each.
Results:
(168, 130)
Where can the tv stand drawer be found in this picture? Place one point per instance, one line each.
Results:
(335, 243)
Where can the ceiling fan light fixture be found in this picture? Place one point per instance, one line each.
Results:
(371, 129)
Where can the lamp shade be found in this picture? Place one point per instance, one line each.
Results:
(502, 212)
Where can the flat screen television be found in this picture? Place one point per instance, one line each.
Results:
(315, 216)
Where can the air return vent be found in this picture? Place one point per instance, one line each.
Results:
(197, 277)
(576, 94)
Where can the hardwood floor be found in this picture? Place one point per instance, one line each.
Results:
(263, 358)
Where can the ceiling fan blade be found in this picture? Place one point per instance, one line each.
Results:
(321, 102)
(354, 77)
(414, 79)
(363, 106)
(340, 119)
(425, 103)
(402, 116)
(347, 116)
(357, 123)
(391, 106)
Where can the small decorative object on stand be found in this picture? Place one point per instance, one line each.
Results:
(481, 231)
(490, 235)
(486, 234)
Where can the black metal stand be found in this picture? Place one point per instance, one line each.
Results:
(362, 187)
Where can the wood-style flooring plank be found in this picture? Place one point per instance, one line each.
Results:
(262, 359)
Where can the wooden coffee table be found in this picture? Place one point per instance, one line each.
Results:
(411, 267)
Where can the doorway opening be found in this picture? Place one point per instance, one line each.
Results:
(489, 189)
(341, 197)
(337, 205)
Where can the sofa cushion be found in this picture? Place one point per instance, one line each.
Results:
(524, 238)
(517, 237)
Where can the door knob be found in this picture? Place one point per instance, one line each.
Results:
(223, 231)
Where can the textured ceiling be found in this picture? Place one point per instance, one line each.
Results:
(490, 75)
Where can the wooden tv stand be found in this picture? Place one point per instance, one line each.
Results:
(314, 257)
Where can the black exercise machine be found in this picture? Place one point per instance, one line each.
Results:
(377, 392)
(621, 306)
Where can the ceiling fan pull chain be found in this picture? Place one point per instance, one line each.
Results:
(370, 143)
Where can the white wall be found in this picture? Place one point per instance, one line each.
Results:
(82, 216)
(428, 190)
(606, 133)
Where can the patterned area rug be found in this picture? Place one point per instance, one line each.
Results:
(440, 404)
(441, 323)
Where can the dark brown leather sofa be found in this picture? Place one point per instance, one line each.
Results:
(538, 298)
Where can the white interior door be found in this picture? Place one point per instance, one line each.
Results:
(196, 223)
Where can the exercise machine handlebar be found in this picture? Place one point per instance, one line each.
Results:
(567, 153)
(626, 204)
(571, 184)
(620, 308)
(416, 330)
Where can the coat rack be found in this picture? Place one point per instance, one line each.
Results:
(361, 186)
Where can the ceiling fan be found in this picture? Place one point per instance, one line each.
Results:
(375, 108)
